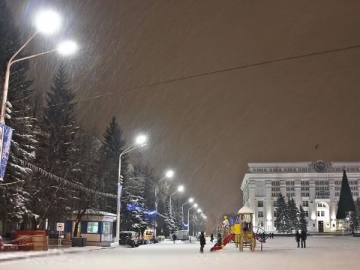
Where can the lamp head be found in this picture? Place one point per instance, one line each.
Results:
(67, 47)
(169, 174)
(47, 22)
(191, 200)
(141, 140)
(180, 188)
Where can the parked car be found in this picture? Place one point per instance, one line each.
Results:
(129, 238)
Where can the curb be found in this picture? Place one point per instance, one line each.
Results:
(56, 253)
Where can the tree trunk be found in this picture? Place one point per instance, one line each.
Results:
(76, 228)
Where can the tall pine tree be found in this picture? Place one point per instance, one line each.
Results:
(56, 148)
(281, 222)
(346, 202)
(303, 223)
(14, 199)
(292, 215)
(113, 147)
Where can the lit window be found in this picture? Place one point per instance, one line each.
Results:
(93, 227)
(107, 227)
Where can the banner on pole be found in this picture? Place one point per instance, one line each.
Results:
(6, 135)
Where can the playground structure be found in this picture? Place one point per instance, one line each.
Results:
(243, 233)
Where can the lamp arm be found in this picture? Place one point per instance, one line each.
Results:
(31, 56)
(22, 47)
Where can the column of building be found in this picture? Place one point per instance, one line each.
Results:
(298, 193)
(312, 207)
(332, 205)
(268, 216)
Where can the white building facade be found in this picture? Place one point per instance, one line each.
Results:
(313, 185)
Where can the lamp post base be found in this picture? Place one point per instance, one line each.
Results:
(114, 244)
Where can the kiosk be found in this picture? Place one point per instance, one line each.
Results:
(96, 228)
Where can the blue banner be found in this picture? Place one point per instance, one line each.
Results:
(6, 135)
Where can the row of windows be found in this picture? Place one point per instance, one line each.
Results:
(352, 188)
(321, 183)
(354, 193)
(275, 183)
(290, 194)
(290, 189)
(322, 188)
(305, 188)
(304, 183)
(305, 212)
(317, 183)
(275, 189)
(305, 194)
(261, 204)
(281, 170)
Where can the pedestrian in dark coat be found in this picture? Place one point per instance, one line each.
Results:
(174, 237)
(297, 238)
(202, 242)
(303, 238)
(212, 238)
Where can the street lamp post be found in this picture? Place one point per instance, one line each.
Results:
(188, 217)
(140, 142)
(182, 209)
(198, 211)
(47, 22)
(168, 174)
(179, 189)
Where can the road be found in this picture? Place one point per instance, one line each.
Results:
(328, 253)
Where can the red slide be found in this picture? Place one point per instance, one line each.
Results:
(224, 243)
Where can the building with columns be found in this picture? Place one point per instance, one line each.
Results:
(314, 185)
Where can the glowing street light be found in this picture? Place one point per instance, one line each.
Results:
(140, 141)
(182, 208)
(179, 189)
(67, 48)
(188, 217)
(168, 175)
(47, 22)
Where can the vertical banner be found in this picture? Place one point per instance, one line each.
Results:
(6, 135)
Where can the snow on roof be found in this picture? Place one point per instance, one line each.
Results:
(96, 212)
(245, 210)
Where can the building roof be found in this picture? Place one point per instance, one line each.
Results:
(245, 210)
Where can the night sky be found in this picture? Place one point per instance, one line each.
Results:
(208, 127)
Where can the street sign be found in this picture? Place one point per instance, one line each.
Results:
(60, 227)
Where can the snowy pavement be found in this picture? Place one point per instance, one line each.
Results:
(323, 252)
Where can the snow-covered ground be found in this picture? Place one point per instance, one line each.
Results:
(322, 252)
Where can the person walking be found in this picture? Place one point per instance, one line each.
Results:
(303, 238)
(202, 242)
(174, 237)
(212, 238)
(297, 238)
